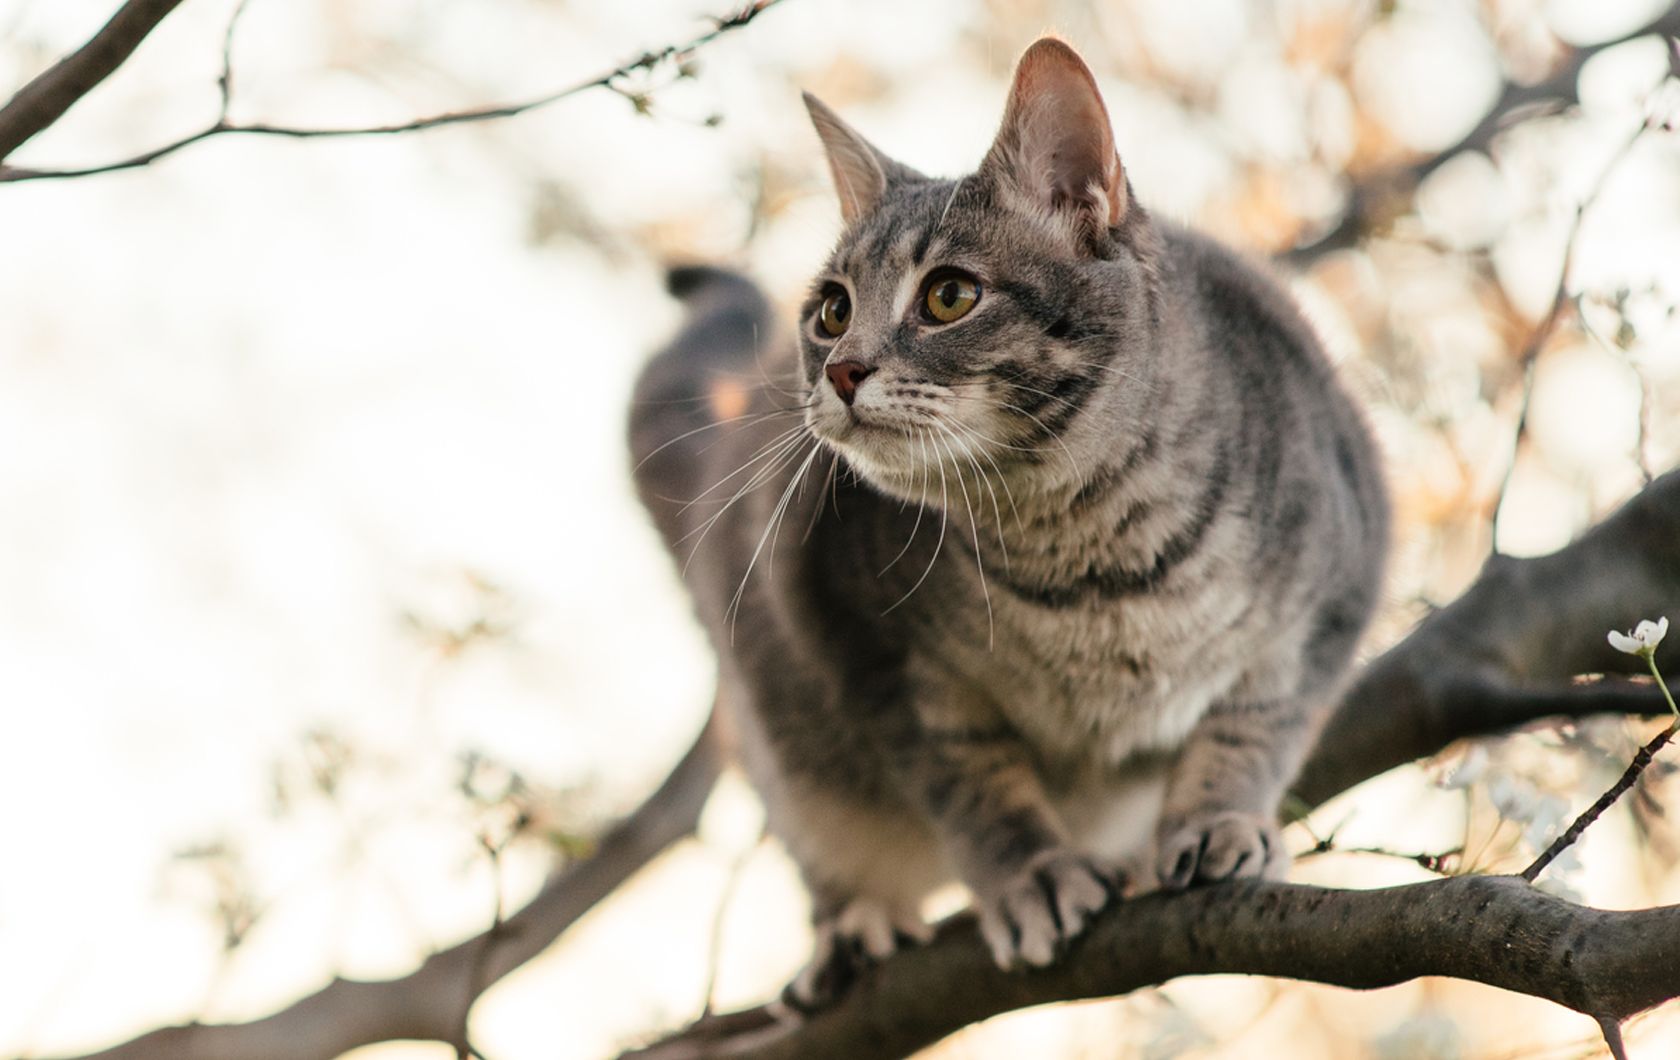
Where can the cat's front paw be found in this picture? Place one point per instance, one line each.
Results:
(1222, 845)
(1047, 902)
(863, 932)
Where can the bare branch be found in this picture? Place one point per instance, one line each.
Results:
(426, 1004)
(608, 79)
(1373, 195)
(45, 99)
(1505, 653)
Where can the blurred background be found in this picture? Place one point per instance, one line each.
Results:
(328, 622)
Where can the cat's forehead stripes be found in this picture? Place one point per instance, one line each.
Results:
(903, 231)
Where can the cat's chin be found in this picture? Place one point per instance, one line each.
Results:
(882, 458)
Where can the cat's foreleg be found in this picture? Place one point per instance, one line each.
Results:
(1219, 820)
(1032, 889)
(849, 934)
(868, 866)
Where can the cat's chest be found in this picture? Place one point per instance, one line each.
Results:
(1102, 682)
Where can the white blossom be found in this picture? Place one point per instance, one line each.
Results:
(1643, 639)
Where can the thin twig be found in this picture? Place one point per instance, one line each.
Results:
(1605, 801)
(609, 79)
(224, 83)
(1444, 864)
(478, 977)
(737, 868)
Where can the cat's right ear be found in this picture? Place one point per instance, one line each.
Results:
(861, 172)
(1056, 147)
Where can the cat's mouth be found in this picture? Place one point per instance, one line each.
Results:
(858, 429)
(877, 442)
(894, 453)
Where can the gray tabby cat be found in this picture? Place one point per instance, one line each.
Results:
(1044, 565)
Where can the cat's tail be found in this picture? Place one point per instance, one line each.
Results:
(727, 326)
(693, 281)
(712, 371)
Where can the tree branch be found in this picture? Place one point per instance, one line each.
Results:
(1492, 929)
(1374, 195)
(223, 126)
(426, 1004)
(56, 89)
(1505, 653)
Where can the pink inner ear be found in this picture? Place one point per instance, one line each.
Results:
(1062, 140)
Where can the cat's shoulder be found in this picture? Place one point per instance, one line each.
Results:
(1235, 292)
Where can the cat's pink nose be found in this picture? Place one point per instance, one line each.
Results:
(846, 375)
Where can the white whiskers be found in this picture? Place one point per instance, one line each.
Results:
(974, 528)
(733, 611)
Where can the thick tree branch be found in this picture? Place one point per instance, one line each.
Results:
(1375, 196)
(45, 99)
(224, 126)
(1505, 652)
(1492, 929)
(426, 1004)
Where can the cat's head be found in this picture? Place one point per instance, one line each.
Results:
(999, 323)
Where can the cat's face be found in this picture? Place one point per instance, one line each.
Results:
(947, 328)
(991, 326)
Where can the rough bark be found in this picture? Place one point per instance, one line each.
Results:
(1493, 929)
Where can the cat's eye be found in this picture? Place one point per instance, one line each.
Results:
(950, 295)
(835, 313)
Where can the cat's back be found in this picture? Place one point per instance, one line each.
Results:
(1317, 502)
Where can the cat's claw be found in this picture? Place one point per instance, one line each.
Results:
(1229, 844)
(1048, 902)
(862, 933)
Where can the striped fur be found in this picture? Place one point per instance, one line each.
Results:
(1066, 591)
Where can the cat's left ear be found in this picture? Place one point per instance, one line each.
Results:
(861, 171)
(1056, 145)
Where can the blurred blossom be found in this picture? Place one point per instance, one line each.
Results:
(1585, 408)
(1428, 77)
(1464, 203)
(1513, 798)
(1469, 769)
(1429, 1036)
(1544, 819)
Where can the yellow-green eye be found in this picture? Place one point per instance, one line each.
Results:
(836, 312)
(950, 295)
